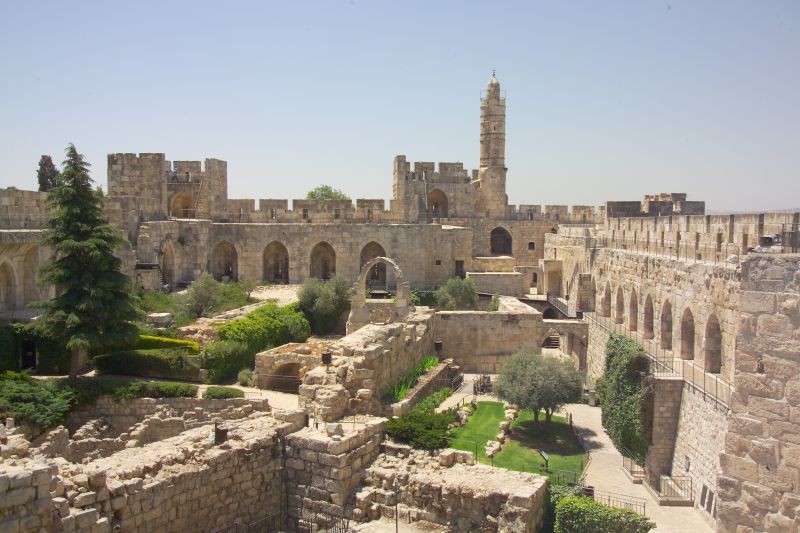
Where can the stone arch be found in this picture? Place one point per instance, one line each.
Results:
(551, 339)
(550, 314)
(323, 261)
(633, 312)
(182, 205)
(619, 310)
(8, 288)
(500, 241)
(687, 334)
(376, 278)
(712, 346)
(286, 378)
(648, 317)
(30, 271)
(275, 263)
(224, 261)
(666, 325)
(362, 314)
(605, 304)
(168, 264)
(437, 204)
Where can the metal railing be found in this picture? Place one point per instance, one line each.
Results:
(620, 501)
(183, 213)
(19, 315)
(675, 488)
(566, 308)
(636, 471)
(664, 363)
(269, 524)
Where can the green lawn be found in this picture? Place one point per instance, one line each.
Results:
(527, 438)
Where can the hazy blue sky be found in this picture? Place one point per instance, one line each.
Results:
(606, 100)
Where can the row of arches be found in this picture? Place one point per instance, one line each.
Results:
(224, 262)
(711, 348)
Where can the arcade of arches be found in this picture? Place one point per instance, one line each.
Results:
(323, 261)
(276, 263)
(224, 262)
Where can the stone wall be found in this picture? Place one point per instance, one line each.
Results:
(507, 283)
(759, 483)
(700, 436)
(434, 380)
(25, 501)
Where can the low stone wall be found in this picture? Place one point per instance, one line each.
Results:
(434, 380)
(25, 498)
(595, 353)
(448, 488)
(322, 469)
(507, 283)
(124, 413)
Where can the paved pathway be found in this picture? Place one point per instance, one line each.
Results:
(605, 473)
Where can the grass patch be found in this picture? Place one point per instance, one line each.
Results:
(400, 389)
(527, 438)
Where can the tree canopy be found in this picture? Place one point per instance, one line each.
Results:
(539, 383)
(323, 193)
(93, 305)
(47, 174)
(323, 302)
(456, 294)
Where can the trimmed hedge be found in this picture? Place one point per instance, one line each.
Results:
(579, 514)
(225, 359)
(624, 396)
(164, 363)
(150, 342)
(222, 393)
(267, 327)
(423, 427)
(10, 347)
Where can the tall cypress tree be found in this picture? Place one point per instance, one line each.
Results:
(47, 174)
(93, 305)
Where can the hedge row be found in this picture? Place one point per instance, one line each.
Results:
(222, 393)
(266, 327)
(423, 427)
(150, 342)
(225, 359)
(169, 363)
(579, 514)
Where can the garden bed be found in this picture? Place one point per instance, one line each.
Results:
(433, 380)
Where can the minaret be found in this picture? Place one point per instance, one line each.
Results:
(492, 176)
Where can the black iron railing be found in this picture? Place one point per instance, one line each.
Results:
(675, 488)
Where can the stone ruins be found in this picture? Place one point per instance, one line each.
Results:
(713, 299)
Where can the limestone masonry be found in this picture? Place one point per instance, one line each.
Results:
(713, 299)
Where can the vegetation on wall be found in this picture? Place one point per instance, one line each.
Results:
(323, 302)
(399, 389)
(625, 396)
(171, 363)
(456, 294)
(423, 427)
(266, 327)
(422, 298)
(539, 383)
(323, 193)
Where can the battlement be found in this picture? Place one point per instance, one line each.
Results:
(662, 204)
(447, 172)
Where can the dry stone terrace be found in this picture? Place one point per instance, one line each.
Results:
(713, 300)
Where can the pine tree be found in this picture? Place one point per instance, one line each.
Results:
(93, 305)
(47, 174)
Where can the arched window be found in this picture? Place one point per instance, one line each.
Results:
(500, 242)
(712, 346)
(666, 326)
(687, 334)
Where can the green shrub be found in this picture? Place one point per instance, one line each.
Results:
(423, 427)
(161, 363)
(225, 359)
(422, 298)
(579, 514)
(222, 393)
(456, 294)
(204, 295)
(266, 327)
(40, 404)
(400, 389)
(148, 342)
(155, 389)
(245, 377)
(625, 397)
(495, 305)
(323, 302)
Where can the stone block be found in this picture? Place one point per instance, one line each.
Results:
(757, 302)
(739, 467)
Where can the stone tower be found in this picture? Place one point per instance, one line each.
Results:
(492, 199)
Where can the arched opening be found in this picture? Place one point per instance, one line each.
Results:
(534, 279)
(30, 271)
(8, 288)
(605, 305)
(500, 241)
(648, 317)
(286, 378)
(224, 262)
(182, 206)
(323, 261)
(619, 312)
(550, 313)
(275, 264)
(376, 279)
(712, 346)
(437, 204)
(666, 326)
(687, 334)
(552, 341)
(168, 265)
(633, 312)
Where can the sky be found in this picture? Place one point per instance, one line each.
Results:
(605, 100)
